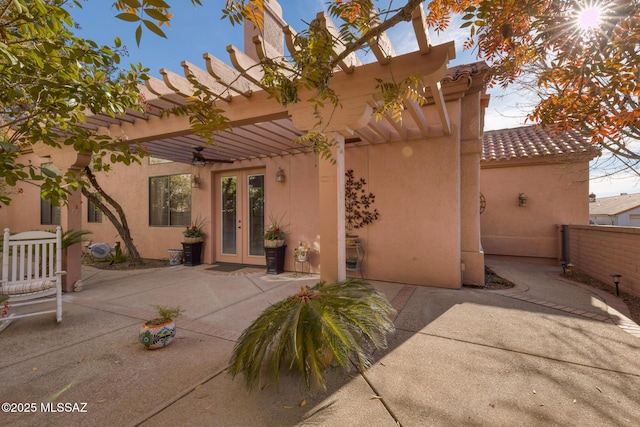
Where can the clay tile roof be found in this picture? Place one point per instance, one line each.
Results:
(614, 205)
(466, 71)
(530, 142)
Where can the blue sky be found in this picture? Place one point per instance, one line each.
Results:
(195, 31)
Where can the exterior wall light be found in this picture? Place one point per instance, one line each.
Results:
(522, 200)
(592, 198)
(280, 176)
(195, 182)
(616, 279)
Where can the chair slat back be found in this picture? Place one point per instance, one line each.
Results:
(31, 255)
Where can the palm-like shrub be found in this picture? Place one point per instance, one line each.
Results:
(328, 323)
(71, 237)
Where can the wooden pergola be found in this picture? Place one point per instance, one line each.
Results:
(262, 128)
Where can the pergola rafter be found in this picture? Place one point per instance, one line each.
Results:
(261, 127)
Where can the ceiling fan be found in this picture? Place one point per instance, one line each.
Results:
(199, 160)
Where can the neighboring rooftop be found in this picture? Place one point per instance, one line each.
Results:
(532, 142)
(614, 205)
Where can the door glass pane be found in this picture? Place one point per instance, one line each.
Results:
(228, 212)
(255, 191)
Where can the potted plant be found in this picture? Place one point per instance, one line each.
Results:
(159, 332)
(192, 245)
(274, 247)
(193, 233)
(274, 234)
(338, 323)
(352, 262)
(301, 253)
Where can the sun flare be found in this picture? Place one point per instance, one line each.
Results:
(590, 17)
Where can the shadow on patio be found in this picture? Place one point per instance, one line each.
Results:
(458, 357)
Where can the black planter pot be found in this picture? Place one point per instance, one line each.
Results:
(192, 253)
(275, 259)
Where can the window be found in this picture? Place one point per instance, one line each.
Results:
(170, 200)
(49, 214)
(93, 213)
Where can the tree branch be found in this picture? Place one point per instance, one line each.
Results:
(404, 14)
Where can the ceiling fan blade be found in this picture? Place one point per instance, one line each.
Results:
(218, 161)
(199, 158)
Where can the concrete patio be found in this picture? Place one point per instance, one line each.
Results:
(548, 352)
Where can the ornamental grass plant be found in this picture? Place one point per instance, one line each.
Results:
(340, 323)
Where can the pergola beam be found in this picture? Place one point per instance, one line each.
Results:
(418, 19)
(228, 77)
(436, 91)
(349, 63)
(161, 90)
(205, 79)
(415, 110)
(246, 66)
(381, 46)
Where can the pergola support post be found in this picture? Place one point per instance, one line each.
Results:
(332, 218)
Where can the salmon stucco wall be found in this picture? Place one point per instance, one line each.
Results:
(295, 200)
(599, 250)
(416, 186)
(556, 193)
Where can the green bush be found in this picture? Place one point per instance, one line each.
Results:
(118, 256)
(305, 332)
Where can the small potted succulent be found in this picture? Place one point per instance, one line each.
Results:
(160, 331)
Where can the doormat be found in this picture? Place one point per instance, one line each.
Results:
(228, 268)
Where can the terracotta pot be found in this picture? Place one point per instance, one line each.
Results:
(157, 334)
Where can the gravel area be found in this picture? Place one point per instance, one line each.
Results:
(632, 301)
(146, 263)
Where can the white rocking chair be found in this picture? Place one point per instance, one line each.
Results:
(32, 272)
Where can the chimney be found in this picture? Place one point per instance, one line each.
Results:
(272, 30)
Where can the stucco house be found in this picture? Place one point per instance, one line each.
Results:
(532, 182)
(622, 210)
(425, 171)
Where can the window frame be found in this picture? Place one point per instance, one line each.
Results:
(170, 218)
(53, 213)
(97, 213)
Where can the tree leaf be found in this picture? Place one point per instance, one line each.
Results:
(129, 17)
(154, 28)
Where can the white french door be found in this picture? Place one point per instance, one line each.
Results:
(240, 216)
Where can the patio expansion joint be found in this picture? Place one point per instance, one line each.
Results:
(81, 342)
(525, 353)
(185, 392)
